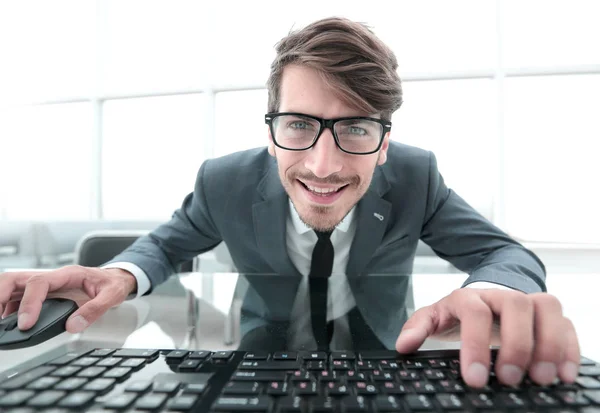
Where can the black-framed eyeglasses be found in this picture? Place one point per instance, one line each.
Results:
(358, 135)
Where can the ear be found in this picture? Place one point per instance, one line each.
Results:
(383, 151)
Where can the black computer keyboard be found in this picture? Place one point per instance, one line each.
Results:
(114, 380)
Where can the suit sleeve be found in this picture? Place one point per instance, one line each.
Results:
(460, 235)
(191, 231)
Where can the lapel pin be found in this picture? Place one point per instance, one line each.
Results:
(378, 216)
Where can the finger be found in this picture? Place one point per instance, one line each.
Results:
(11, 282)
(10, 308)
(89, 312)
(516, 311)
(419, 326)
(550, 340)
(476, 321)
(569, 368)
(35, 293)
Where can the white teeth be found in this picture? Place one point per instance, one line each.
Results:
(322, 190)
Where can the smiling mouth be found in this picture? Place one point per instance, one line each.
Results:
(324, 192)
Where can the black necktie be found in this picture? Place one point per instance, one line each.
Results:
(320, 271)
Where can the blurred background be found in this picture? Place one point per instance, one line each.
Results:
(108, 108)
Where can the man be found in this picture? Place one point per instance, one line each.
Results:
(331, 180)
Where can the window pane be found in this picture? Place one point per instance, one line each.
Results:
(240, 121)
(152, 45)
(459, 35)
(47, 49)
(454, 119)
(552, 135)
(152, 150)
(46, 163)
(542, 32)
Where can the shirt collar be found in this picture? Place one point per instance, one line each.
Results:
(302, 228)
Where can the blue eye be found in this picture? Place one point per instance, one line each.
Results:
(299, 125)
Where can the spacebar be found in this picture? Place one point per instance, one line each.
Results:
(269, 365)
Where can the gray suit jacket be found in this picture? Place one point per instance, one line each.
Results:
(239, 199)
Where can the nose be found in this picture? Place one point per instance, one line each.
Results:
(325, 158)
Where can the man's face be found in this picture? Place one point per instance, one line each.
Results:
(305, 175)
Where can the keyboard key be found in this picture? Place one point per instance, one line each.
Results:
(222, 355)
(132, 352)
(151, 401)
(70, 384)
(119, 373)
(101, 352)
(378, 375)
(593, 395)
(167, 387)
(242, 387)
(66, 359)
(189, 365)
(414, 364)
(299, 375)
(46, 398)
(586, 362)
(379, 355)
(337, 389)
(183, 402)
(120, 401)
(321, 404)
(194, 388)
(133, 363)
(242, 404)
(418, 402)
(363, 388)
(15, 398)
(388, 404)
(140, 386)
(449, 401)
(43, 383)
(66, 371)
(450, 386)
(100, 386)
(256, 355)
(353, 375)
(314, 355)
(306, 388)
(77, 399)
(84, 361)
(285, 355)
(22, 379)
(512, 400)
(176, 356)
(575, 398)
(259, 375)
(543, 399)
(291, 404)
(202, 354)
(394, 388)
(588, 382)
(109, 362)
(316, 365)
(589, 370)
(341, 365)
(479, 400)
(343, 355)
(269, 365)
(277, 388)
(91, 372)
(434, 374)
(423, 387)
(355, 404)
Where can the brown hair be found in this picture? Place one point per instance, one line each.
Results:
(356, 64)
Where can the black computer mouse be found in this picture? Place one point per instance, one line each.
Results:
(52, 322)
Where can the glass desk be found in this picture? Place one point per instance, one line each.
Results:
(208, 315)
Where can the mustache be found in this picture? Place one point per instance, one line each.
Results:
(331, 179)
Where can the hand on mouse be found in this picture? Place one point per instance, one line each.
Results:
(95, 290)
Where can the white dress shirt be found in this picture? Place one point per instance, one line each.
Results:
(300, 241)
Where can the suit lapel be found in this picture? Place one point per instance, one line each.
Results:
(372, 220)
(270, 215)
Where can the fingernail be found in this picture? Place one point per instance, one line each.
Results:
(477, 375)
(23, 318)
(78, 324)
(510, 374)
(543, 372)
(569, 371)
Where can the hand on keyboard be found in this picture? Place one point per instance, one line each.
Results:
(533, 334)
(95, 290)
